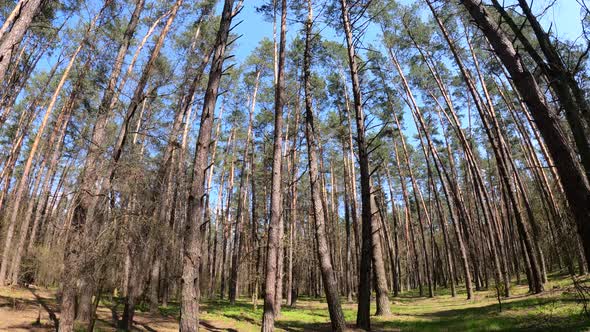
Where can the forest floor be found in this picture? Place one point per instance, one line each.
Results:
(557, 309)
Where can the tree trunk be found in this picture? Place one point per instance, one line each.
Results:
(154, 285)
(396, 259)
(27, 167)
(378, 266)
(572, 177)
(189, 319)
(22, 16)
(363, 313)
(276, 222)
(328, 277)
(242, 197)
(55, 141)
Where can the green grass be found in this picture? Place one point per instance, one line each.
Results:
(554, 310)
(557, 309)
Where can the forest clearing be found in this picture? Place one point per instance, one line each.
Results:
(294, 165)
(557, 309)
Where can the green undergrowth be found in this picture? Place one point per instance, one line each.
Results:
(557, 309)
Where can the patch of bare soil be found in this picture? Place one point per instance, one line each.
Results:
(26, 309)
(35, 310)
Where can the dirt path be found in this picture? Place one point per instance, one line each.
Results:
(35, 310)
(23, 309)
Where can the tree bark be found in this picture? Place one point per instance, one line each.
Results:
(55, 142)
(21, 16)
(378, 266)
(238, 235)
(189, 319)
(328, 277)
(572, 177)
(276, 221)
(27, 167)
(363, 313)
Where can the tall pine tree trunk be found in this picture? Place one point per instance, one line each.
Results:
(276, 221)
(190, 292)
(21, 18)
(328, 277)
(572, 177)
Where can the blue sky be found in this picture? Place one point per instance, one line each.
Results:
(564, 19)
(565, 16)
(253, 28)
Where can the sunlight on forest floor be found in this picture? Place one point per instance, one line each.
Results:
(555, 309)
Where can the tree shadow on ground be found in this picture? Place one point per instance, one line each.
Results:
(210, 327)
(50, 311)
(489, 318)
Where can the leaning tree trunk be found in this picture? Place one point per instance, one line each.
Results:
(55, 142)
(572, 177)
(500, 155)
(168, 166)
(189, 319)
(474, 168)
(32, 153)
(21, 16)
(72, 250)
(24, 124)
(328, 277)
(561, 79)
(92, 220)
